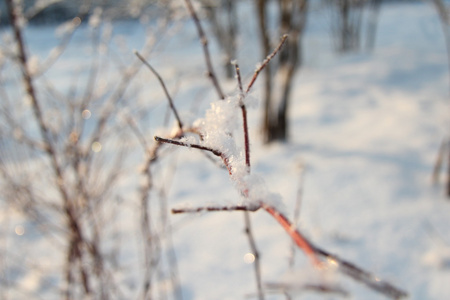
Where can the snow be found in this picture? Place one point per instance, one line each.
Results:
(366, 128)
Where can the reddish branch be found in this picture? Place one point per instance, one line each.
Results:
(238, 77)
(298, 238)
(265, 62)
(246, 136)
(243, 95)
(244, 117)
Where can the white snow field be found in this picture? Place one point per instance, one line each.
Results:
(365, 131)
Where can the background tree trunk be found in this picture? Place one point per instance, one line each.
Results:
(292, 21)
(346, 24)
(266, 48)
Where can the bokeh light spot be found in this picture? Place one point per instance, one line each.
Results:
(76, 21)
(249, 258)
(19, 230)
(86, 114)
(96, 147)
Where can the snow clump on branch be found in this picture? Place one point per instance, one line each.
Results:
(218, 125)
(222, 120)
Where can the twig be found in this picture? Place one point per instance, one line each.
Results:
(161, 81)
(134, 128)
(167, 232)
(196, 146)
(204, 41)
(320, 288)
(246, 136)
(244, 117)
(345, 267)
(150, 239)
(59, 49)
(298, 238)
(362, 276)
(254, 249)
(93, 72)
(238, 77)
(296, 216)
(265, 62)
(214, 208)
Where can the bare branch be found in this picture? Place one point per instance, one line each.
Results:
(246, 136)
(345, 267)
(161, 81)
(319, 288)
(59, 49)
(204, 41)
(365, 277)
(215, 208)
(137, 132)
(178, 143)
(254, 249)
(238, 77)
(265, 62)
(298, 238)
(244, 117)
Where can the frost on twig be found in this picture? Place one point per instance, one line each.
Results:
(217, 130)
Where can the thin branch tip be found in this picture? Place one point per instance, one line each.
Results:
(163, 85)
(139, 55)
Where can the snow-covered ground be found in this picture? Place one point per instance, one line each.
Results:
(365, 132)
